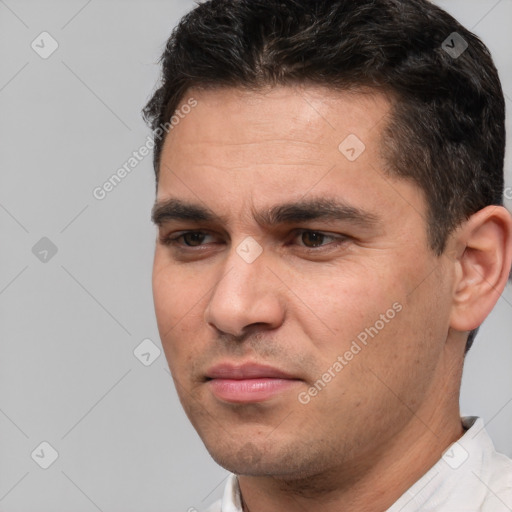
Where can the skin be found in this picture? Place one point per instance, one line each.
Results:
(388, 415)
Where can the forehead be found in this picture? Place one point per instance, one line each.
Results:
(301, 115)
(272, 146)
(303, 127)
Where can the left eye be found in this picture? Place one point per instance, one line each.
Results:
(313, 239)
(190, 239)
(194, 238)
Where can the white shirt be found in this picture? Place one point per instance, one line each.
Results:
(470, 477)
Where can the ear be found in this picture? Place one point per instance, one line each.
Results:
(484, 259)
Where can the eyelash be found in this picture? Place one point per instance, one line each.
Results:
(173, 240)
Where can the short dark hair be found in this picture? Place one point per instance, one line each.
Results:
(446, 131)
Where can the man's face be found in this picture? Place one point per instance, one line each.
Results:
(302, 313)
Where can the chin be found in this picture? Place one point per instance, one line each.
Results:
(263, 459)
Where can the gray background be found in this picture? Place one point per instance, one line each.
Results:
(69, 325)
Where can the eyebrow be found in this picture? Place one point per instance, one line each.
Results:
(301, 211)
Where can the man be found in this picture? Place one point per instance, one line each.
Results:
(331, 236)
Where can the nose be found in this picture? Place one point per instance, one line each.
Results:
(247, 294)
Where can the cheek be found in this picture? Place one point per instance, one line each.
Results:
(344, 303)
(376, 319)
(164, 296)
(179, 310)
(175, 291)
(170, 301)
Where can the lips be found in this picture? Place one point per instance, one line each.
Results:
(248, 383)
(246, 371)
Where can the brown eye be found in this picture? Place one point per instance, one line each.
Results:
(193, 239)
(312, 238)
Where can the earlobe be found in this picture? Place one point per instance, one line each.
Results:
(483, 266)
